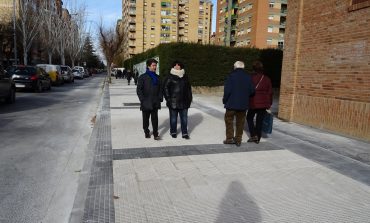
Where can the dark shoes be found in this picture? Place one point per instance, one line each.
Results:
(254, 139)
(174, 135)
(229, 141)
(157, 138)
(147, 135)
(186, 137)
(238, 144)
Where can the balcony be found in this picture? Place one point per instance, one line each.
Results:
(182, 2)
(131, 36)
(132, 12)
(181, 25)
(182, 9)
(131, 44)
(181, 18)
(131, 21)
(132, 28)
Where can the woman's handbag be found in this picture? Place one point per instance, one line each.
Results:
(267, 123)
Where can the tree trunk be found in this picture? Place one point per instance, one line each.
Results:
(25, 52)
(50, 56)
(109, 72)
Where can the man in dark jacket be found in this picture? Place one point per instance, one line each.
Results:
(150, 96)
(237, 90)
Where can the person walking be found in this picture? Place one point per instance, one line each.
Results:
(258, 104)
(150, 95)
(237, 90)
(178, 95)
(128, 76)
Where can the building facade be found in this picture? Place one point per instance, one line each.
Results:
(251, 23)
(325, 79)
(148, 23)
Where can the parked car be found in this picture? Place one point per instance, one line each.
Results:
(81, 69)
(54, 71)
(67, 73)
(29, 77)
(77, 74)
(7, 87)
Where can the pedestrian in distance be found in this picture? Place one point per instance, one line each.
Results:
(119, 74)
(237, 90)
(258, 104)
(135, 76)
(178, 95)
(128, 76)
(150, 95)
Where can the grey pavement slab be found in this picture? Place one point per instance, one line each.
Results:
(296, 174)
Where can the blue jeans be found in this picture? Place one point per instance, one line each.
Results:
(183, 118)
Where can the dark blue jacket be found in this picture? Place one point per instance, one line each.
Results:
(237, 90)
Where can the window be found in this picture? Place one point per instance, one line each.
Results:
(281, 44)
(269, 41)
(269, 29)
(358, 4)
(271, 5)
(249, 29)
(271, 17)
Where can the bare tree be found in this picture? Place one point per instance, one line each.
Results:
(61, 37)
(49, 34)
(110, 40)
(28, 23)
(75, 32)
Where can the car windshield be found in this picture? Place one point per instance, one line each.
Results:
(74, 70)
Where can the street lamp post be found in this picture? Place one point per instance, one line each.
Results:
(14, 34)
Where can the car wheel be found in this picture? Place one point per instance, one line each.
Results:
(39, 87)
(11, 97)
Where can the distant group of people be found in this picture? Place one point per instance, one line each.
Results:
(128, 75)
(242, 92)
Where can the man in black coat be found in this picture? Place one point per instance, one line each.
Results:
(150, 95)
(237, 90)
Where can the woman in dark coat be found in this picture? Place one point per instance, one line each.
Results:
(178, 95)
(258, 104)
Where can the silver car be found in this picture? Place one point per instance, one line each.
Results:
(77, 74)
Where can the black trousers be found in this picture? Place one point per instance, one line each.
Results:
(153, 114)
(255, 129)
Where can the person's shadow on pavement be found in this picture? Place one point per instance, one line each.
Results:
(193, 121)
(238, 206)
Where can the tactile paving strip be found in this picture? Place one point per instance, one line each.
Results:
(99, 205)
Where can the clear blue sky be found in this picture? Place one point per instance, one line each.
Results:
(111, 10)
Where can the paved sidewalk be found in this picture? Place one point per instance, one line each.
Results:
(297, 174)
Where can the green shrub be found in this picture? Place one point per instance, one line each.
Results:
(209, 65)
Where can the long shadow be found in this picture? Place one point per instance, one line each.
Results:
(28, 103)
(238, 206)
(193, 121)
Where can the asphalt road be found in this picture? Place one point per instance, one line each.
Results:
(43, 139)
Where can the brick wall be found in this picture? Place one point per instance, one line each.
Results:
(326, 67)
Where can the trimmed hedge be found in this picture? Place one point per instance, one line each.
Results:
(209, 65)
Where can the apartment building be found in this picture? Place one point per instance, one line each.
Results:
(148, 23)
(253, 23)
